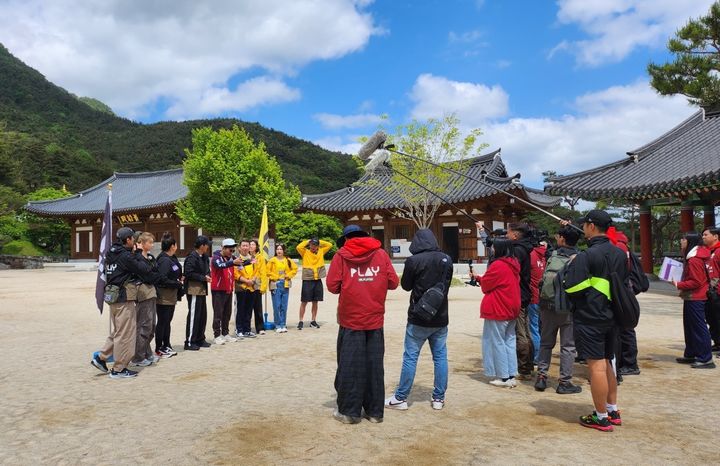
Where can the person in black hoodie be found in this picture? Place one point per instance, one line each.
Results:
(197, 277)
(169, 293)
(427, 266)
(522, 246)
(121, 268)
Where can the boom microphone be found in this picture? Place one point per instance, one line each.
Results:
(378, 159)
(374, 143)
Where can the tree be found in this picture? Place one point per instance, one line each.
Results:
(437, 141)
(569, 200)
(51, 234)
(694, 72)
(307, 225)
(229, 177)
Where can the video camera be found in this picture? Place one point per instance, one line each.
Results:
(472, 281)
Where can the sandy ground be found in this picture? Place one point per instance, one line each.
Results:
(269, 401)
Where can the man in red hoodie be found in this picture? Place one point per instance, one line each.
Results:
(711, 240)
(361, 273)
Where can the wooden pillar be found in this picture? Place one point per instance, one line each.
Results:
(646, 238)
(708, 215)
(687, 217)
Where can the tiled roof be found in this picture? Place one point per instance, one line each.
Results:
(683, 160)
(370, 191)
(131, 191)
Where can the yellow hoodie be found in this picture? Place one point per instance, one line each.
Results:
(279, 269)
(249, 271)
(313, 264)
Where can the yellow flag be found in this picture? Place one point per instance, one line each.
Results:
(263, 236)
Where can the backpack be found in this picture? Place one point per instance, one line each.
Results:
(623, 302)
(550, 288)
(430, 303)
(637, 277)
(561, 302)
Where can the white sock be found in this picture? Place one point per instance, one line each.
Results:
(611, 407)
(601, 415)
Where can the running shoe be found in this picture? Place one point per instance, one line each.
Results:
(300, 325)
(394, 403)
(541, 383)
(594, 422)
(437, 403)
(169, 351)
(99, 364)
(249, 335)
(219, 340)
(346, 419)
(123, 374)
(614, 418)
(567, 388)
(703, 365)
(314, 324)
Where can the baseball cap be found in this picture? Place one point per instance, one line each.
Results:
(124, 233)
(351, 231)
(597, 217)
(313, 242)
(229, 243)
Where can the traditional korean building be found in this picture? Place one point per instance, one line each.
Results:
(680, 168)
(370, 204)
(141, 201)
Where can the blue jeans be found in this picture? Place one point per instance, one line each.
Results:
(280, 303)
(534, 323)
(498, 345)
(415, 337)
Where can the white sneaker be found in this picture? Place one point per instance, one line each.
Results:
(437, 404)
(278, 330)
(143, 363)
(394, 403)
(219, 341)
(509, 383)
(230, 339)
(261, 332)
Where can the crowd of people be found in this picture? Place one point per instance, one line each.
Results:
(533, 290)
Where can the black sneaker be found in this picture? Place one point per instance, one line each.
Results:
(703, 365)
(614, 418)
(594, 422)
(541, 383)
(191, 347)
(685, 360)
(619, 378)
(567, 388)
(300, 325)
(99, 364)
(314, 324)
(629, 371)
(123, 374)
(204, 344)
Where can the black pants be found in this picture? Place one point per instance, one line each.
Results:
(712, 317)
(360, 376)
(222, 311)
(627, 350)
(257, 308)
(165, 314)
(196, 320)
(245, 303)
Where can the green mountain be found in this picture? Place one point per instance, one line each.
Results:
(49, 137)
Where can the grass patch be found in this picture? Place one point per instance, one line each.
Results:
(22, 248)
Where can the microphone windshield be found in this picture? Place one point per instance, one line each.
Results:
(374, 143)
(378, 159)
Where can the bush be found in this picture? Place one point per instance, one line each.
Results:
(22, 248)
(308, 225)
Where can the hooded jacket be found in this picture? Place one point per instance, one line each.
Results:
(427, 266)
(313, 264)
(537, 267)
(521, 250)
(361, 273)
(121, 267)
(501, 290)
(694, 283)
(222, 272)
(197, 267)
(281, 269)
(714, 263)
(587, 281)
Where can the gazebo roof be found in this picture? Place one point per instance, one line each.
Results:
(131, 192)
(683, 161)
(370, 191)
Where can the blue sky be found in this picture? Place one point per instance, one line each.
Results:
(559, 85)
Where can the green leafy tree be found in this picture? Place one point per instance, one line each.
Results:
(695, 70)
(229, 177)
(307, 225)
(439, 141)
(51, 234)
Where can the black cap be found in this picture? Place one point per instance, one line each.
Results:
(350, 231)
(313, 242)
(596, 217)
(201, 240)
(124, 233)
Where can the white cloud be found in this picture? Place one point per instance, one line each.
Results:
(436, 96)
(616, 27)
(346, 144)
(360, 120)
(604, 126)
(465, 37)
(133, 54)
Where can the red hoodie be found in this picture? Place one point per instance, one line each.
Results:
(501, 286)
(361, 273)
(537, 267)
(695, 277)
(714, 262)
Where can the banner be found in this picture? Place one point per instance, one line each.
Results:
(105, 242)
(263, 237)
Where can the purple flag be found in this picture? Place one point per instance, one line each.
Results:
(105, 242)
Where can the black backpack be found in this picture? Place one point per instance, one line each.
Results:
(623, 302)
(637, 277)
(427, 307)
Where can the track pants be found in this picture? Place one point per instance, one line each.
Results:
(165, 313)
(196, 320)
(360, 376)
(222, 311)
(245, 305)
(258, 310)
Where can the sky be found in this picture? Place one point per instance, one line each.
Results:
(558, 85)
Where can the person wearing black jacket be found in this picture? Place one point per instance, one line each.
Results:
(522, 246)
(169, 293)
(197, 277)
(121, 268)
(587, 283)
(427, 266)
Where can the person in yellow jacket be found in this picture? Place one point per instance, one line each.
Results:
(280, 272)
(244, 291)
(312, 251)
(260, 286)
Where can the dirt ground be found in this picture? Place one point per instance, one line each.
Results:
(270, 401)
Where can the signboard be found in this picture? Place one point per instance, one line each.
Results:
(128, 218)
(400, 248)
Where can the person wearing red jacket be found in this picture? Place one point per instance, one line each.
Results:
(711, 240)
(500, 308)
(361, 273)
(693, 290)
(537, 268)
(222, 285)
